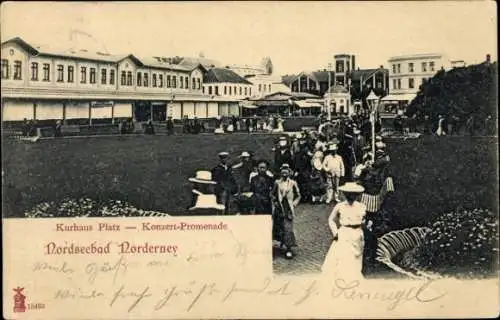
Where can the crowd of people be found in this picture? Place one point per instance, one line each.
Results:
(310, 166)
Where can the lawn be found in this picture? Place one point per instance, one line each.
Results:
(432, 175)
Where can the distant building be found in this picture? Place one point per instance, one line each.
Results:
(458, 64)
(263, 85)
(343, 65)
(407, 73)
(265, 68)
(81, 86)
(316, 82)
(339, 99)
(222, 82)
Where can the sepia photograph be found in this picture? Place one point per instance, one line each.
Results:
(367, 132)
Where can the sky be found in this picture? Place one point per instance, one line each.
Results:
(297, 36)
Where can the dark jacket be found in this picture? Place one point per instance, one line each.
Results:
(224, 178)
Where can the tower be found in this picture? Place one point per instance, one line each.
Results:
(344, 64)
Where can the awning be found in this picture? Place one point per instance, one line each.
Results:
(400, 97)
(308, 104)
(250, 106)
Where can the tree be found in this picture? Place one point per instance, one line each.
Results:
(461, 92)
(267, 65)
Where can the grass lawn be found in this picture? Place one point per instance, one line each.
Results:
(431, 174)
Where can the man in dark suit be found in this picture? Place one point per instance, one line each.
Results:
(226, 186)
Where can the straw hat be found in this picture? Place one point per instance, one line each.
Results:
(332, 147)
(245, 154)
(380, 145)
(203, 177)
(351, 187)
(207, 201)
(223, 154)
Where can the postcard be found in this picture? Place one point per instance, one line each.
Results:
(249, 160)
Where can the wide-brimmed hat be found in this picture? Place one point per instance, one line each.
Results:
(285, 166)
(380, 145)
(223, 154)
(352, 187)
(244, 154)
(207, 201)
(333, 147)
(203, 177)
(283, 138)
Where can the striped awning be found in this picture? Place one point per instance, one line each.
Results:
(308, 104)
(400, 97)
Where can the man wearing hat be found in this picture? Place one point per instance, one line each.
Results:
(334, 168)
(226, 184)
(261, 185)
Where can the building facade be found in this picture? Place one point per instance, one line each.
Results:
(263, 85)
(78, 84)
(338, 99)
(408, 72)
(343, 65)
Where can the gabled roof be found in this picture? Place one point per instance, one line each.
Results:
(23, 44)
(322, 76)
(288, 79)
(365, 73)
(218, 75)
(206, 63)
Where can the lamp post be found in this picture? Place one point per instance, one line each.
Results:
(373, 101)
(328, 92)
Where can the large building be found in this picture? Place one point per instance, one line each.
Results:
(42, 84)
(407, 73)
(263, 85)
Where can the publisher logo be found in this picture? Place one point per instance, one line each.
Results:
(19, 300)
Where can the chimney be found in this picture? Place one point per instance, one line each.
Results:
(488, 58)
(381, 67)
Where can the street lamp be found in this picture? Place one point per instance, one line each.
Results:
(373, 101)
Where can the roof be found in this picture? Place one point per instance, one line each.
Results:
(206, 63)
(304, 95)
(337, 89)
(400, 97)
(288, 79)
(322, 76)
(365, 74)
(217, 75)
(416, 56)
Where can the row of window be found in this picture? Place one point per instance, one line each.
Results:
(126, 76)
(229, 90)
(425, 67)
(396, 83)
(262, 87)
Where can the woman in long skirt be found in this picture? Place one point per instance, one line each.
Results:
(345, 257)
(286, 196)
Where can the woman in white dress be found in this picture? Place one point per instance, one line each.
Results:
(279, 127)
(345, 257)
(440, 130)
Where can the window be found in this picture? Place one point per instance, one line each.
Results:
(46, 72)
(234, 90)
(246, 91)
(424, 66)
(399, 83)
(431, 65)
(339, 66)
(225, 89)
(393, 68)
(230, 90)
(203, 90)
(399, 68)
(34, 71)
(139, 79)
(210, 90)
(104, 73)
(250, 91)
(83, 74)
(260, 87)
(181, 82)
(146, 80)
(199, 83)
(60, 73)
(154, 80)
(169, 84)
(123, 80)
(193, 85)
(423, 80)
(187, 82)
(410, 67)
(160, 80)
(174, 81)
(129, 78)
(5, 69)
(394, 84)
(269, 88)
(216, 90)
(92, 75)
(411, 83)
(17, 70)
(71, 74)
(111, 76)
(241, 91)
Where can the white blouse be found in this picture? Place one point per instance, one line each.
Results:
(346, 214)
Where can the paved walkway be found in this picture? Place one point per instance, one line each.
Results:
(313, 240)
